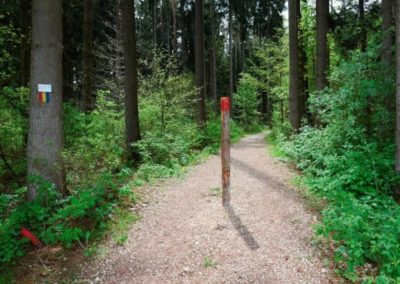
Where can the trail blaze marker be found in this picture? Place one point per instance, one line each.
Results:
(44, 92)
(225, 152)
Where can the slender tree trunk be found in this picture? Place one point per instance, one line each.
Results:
(88, 98)
(46, 139)
(213, 59)
(363, 39)
(230, 27)
(175, 38)
(322, 44)
(199, 57)
(302, 70)
(25, 39)
(182, 27)
(294, 96)
(131, 81)
(387, 23)
(235, 61)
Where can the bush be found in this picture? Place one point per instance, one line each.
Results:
(94, 142)
(62, 220)
(350, 163)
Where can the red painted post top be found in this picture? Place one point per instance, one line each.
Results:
(225, 104)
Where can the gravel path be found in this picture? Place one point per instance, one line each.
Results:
(186, 236)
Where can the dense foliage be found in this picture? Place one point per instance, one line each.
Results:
(349, 162)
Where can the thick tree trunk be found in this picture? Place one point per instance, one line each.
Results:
(131, 80)
(88, 99)
(199, 58)
(294, 95)
(387, 23)
(322, 44)
(363, 37)
(45, 139)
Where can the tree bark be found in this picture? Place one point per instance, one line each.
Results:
(213, 59)
(175, 38)
(199, 61)
(387, 23)
(131, 80)
(230, 45)
(88, 99)
(25, 40)
(322, 44)
(294, 96)
(302, 70)
(45, 138)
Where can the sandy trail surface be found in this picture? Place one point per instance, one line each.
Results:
(187, 236)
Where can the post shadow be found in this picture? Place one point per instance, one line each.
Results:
(240, 228)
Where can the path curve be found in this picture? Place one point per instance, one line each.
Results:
(186, 236)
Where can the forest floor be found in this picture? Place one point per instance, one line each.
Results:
(186, 236)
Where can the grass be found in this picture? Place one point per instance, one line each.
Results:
(208, 262)
(273, 147)
(120, 228)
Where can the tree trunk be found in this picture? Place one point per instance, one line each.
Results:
(131, 80)
(199, 58)
(88, 99)
(294, 96)
(302, 70)
(387, 22)
(322, 44)
(25, 39)
(175, 38)
(45, 139)
(230, 27)
(213, 59)
(363, 37)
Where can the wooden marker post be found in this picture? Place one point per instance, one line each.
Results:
(225, 152)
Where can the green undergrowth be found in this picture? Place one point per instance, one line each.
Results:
(348, 162)
(361, 223)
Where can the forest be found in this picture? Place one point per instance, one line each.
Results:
(100, 98)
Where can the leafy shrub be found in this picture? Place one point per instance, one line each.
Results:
(61, 220)
(13, 134)
(350, 163)
(94, 142)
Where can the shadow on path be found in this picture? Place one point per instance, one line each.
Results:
(265, 178)
(241, 229)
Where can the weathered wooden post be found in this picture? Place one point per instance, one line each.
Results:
(225, 152)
